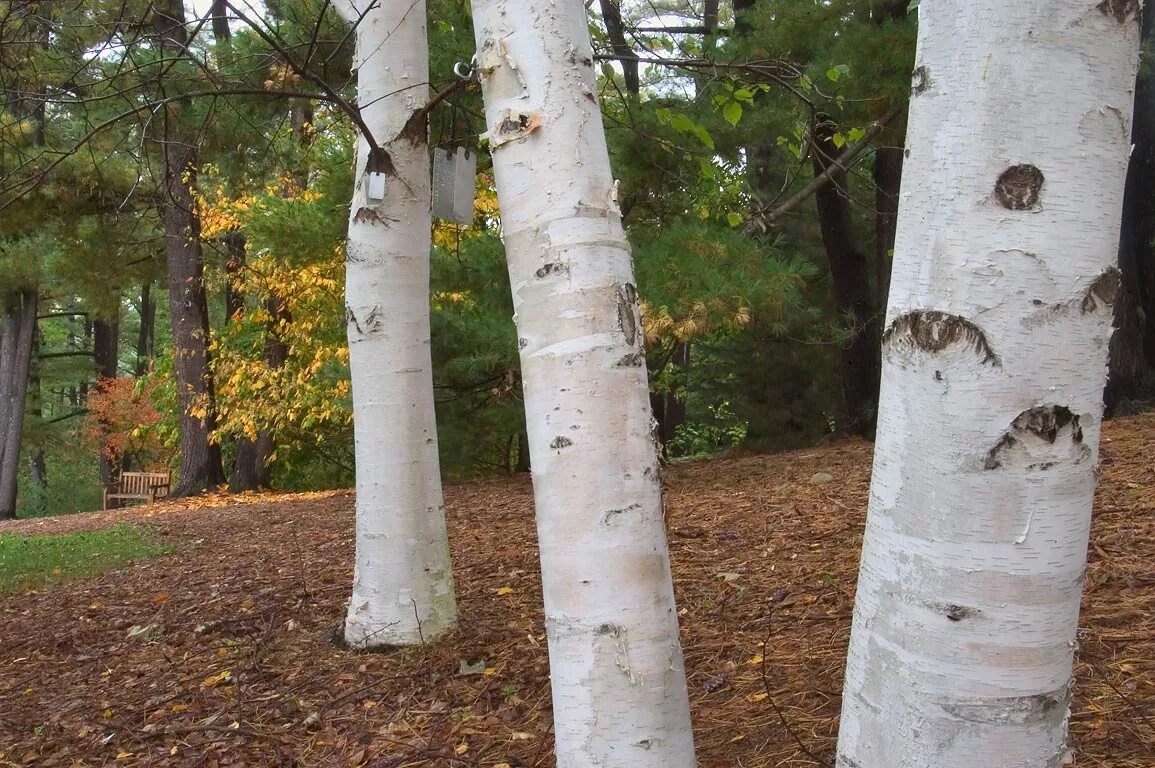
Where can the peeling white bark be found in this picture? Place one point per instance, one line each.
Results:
(403, 584)
(994, 366)
(619, 689)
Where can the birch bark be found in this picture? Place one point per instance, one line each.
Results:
(403, 583)
(619, 689)
(994, 361)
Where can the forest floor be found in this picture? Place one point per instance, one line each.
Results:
(220, 654)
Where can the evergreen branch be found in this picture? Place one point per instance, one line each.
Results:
(304, 72)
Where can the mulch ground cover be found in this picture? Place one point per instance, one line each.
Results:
(221, 653)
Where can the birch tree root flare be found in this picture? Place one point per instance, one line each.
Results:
(619, 687)
(994, 364)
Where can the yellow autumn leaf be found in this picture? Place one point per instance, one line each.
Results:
(123, 755)
(505, 591)
(215, 680)
(755, 659)
(178, 708)
(461, 749)
(753, 697)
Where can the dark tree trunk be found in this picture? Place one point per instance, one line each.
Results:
(742, 24)
(710, 16)
(146, 339)
(244, 475)
(658, 411)
(887, 183)
(219, 12)
(675, 404)
(234, 263)
(850, 286)
(106, 355)
(200, 458)
(276, 355)
(38, 469)
(253, 467)
(17, 335)
(522, 452)
(616, 30)
(106, 347)
(37, 464)
(1132, 361)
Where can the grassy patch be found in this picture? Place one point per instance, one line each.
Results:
(39, 561)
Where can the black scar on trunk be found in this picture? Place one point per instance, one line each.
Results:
(933, 331)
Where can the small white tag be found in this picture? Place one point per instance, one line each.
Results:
(376, 187)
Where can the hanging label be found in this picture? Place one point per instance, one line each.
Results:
(376, 190)
(454, 184)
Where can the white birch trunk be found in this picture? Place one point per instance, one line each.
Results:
(403, 584)
(619, 689)
(994, 365)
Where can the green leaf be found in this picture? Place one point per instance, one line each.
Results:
(744, 94)
(732, 112)
(839, 140)
(703, 135)
(855, 134)
(832, 75)
(733, 219)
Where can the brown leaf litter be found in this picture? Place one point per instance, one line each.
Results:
(231, 661)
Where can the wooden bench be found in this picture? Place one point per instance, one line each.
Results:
(139, 486)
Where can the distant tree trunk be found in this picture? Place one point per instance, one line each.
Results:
(38, 469)
(253, 469)
(742, 24)
(244, 476)
(403, 590)
(234, 263)
(106, 355)
(670, 407)
(604, 557)
(37, 464)
(146, 338)
(200, 458)
(627, 58)
(276, 355)
(887, 184)
(850, 285)
(523, 465)
(887, 176)
(17, 334)
(974, 553)
(219, 12)
(1132, 365)
(675, 402)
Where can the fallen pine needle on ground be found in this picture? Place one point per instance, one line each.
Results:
(220, 653)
